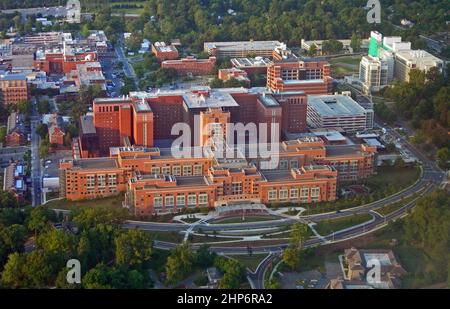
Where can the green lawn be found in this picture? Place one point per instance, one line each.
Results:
(310, 260)
(280, 235)
(109, 202)
(349, 60)
(211, 238)
(251, 262)
(387, 209)
(414, 260)
(246, 219)
(327, 227)
(173, 237)
(115, 7)
(388, 180)
(393, 179)
(345, 65)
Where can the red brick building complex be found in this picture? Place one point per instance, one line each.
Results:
(63, 61)
(144, 117)
(148, 194)
(191, 66)
(312, 77)
(118, 118)
(163, 52)
(14, 89)
(157, 181)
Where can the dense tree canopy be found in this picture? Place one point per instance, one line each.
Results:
(429, 229)
(425, 101)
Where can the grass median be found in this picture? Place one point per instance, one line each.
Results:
(327, 227)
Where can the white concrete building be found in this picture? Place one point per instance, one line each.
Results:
(338, 111)
(389, 58)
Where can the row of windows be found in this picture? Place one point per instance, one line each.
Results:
(104, 109)
(188, 170)
(169, 200)
(293, 194)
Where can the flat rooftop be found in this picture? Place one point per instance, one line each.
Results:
(164, 48)
(95, 163)
(330, 135)
(87, 125)
(179, 181)
(211, 100)
(268, 101)
(188, 181)
(343, 150)
(250, 62)
(244, 45)
(303, 81)
(420, 57)
(141, 106)
(13, 77)
(286, 175)
(112, 100)
(335, 105)
(164, 153)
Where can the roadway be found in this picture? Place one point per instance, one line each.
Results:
(431, 177)
(256, 278)
(127, 67)
(376, 223)
(36, 177)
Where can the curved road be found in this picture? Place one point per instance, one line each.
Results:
(431, 177)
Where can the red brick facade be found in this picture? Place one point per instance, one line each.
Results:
(59, 63)
(191, 66)
(310, 77)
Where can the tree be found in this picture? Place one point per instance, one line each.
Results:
(10, 216)
(332, 47)
(39, 219)
(273, 285)
(17, 22)
(44, 146)
(7, 200)
(312, 50)
(135, 280)
(24, 107)
(133, 248)
(13, 237)
(43, 107)
(58, 242)
(2, 134)
(428, 229)
(204, 257)
(61, 281)
(97, 278)
(85, 30)
(28, 25)
(41, 268)
(89, 93)
(13, 275)
(179, 263)
(42, 130)
(355, 43)
(233, 273)
(443, 156)
(299, 234)
(89, 218)
(291, 257)
(133, 43)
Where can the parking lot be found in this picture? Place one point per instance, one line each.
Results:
(312, 279)
(51, 164)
